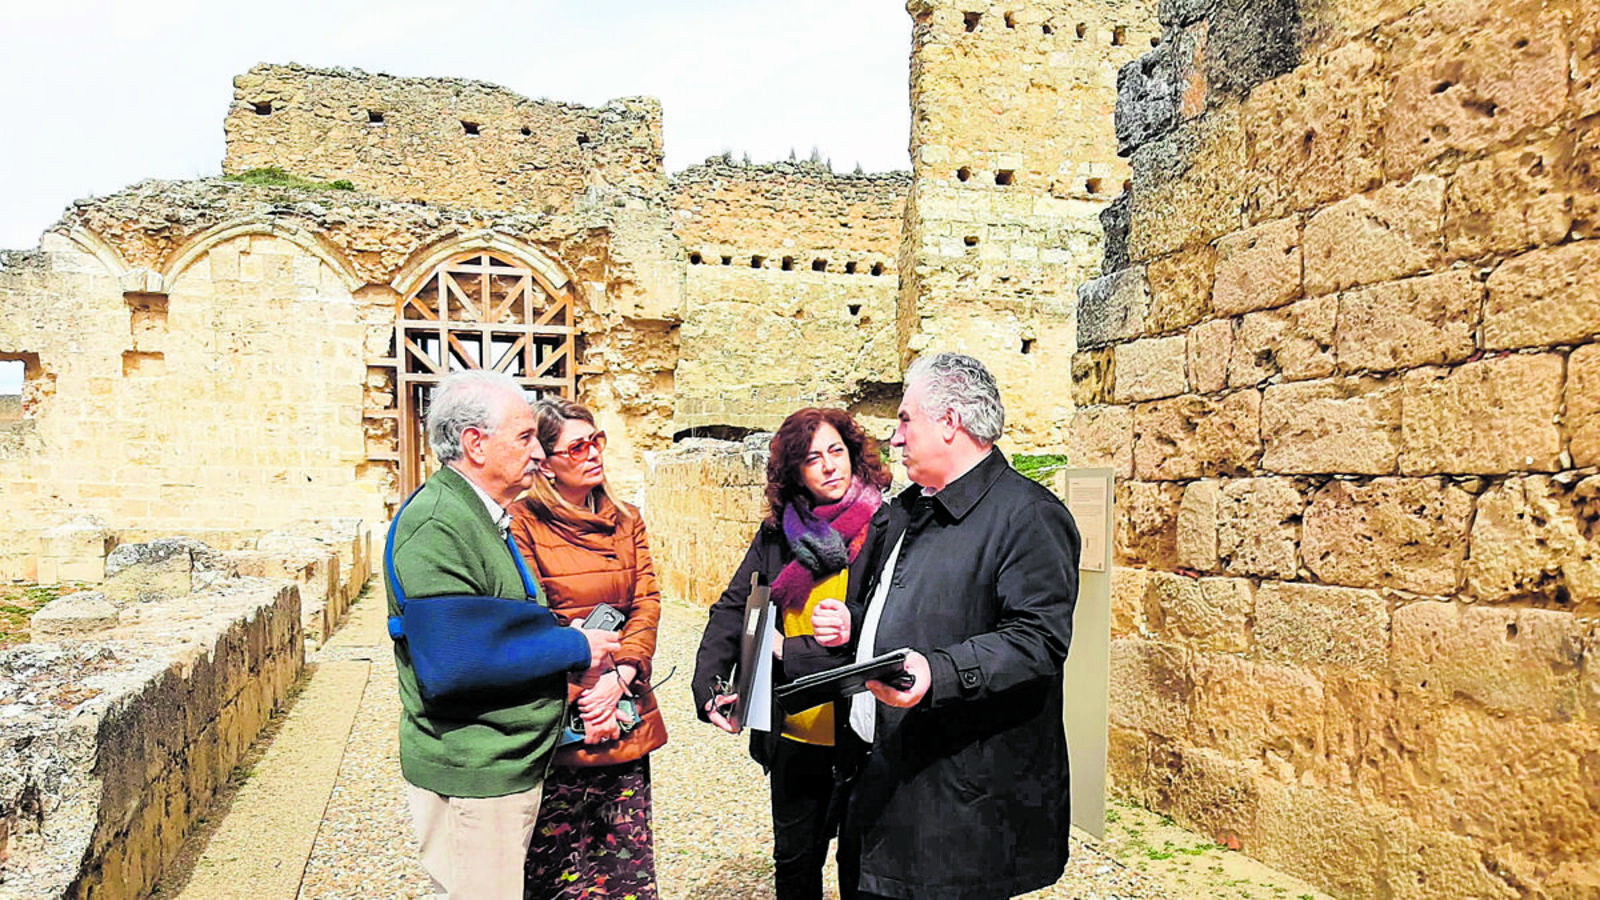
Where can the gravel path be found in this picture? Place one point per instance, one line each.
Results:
(713, 836)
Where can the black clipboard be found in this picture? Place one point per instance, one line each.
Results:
(757, 619)
(839, 683)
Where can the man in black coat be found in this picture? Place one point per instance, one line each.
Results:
(963, 791)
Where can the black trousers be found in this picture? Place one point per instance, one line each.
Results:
(804, 817)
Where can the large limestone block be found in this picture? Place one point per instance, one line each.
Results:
(1544, 297)
(1185, 185)
(1258, 527)
(75, 615)
(1367, 850)
(1583, 405)
(1315, 133)
(1294, 342)
(1485, 417)
(1522, 787)
(1390, 532)
(1128, 764)
(1413, 322)
(1113, 307)
(1339, 425)
(1534, 539)
(1204, 613)
(1094, 376)
(1582, 183)
(1258, 711)
(1102, 436)
(1197, 437)
(1205, 790)
(1210, 349)
(1389, 233)
(1150, 686)
(1509, 202)
(1128, 586)
(1147, 524)
(1197, 526)
(1522, 661)
(1308, 624)
(1151, 369)
(1474, 75)
(1180, 288)
(1258, 268)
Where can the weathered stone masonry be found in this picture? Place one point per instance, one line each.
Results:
(1345, 366)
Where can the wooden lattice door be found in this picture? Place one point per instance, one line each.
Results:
(477, 311)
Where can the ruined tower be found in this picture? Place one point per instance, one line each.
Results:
(1014, 158)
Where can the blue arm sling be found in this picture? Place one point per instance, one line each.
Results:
(477, 651)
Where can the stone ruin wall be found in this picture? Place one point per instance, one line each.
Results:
(789, 292)
(124, 718)
(702, 502)
(1014, 160)
(1347, 372)
(441, 140)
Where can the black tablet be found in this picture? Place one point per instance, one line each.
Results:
(836, 684)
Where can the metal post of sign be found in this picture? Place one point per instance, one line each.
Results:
(1090, 494)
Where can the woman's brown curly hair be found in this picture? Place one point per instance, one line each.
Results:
(792, 443)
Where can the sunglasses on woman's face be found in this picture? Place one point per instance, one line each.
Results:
(578, 450)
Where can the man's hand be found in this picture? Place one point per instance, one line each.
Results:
(714, 708)
(830, 623)
(922, 678)
(601, 696)
(601, 644)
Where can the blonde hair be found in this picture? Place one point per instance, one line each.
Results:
(550, 416)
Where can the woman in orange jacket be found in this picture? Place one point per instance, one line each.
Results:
(586, 548)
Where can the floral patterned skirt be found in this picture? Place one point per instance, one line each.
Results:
(593, 836)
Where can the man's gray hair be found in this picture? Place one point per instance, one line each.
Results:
(466, 400)
(955, 382)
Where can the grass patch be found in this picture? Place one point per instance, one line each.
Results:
(272, 176)
(1040, 466)
(18, 603)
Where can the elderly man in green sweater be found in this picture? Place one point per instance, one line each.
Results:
(475, 769)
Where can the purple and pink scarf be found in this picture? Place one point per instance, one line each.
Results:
(824, 540)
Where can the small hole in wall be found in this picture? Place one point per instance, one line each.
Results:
(1119, 35)
(877, 268)
(1004, 177)
(727, 260)
(1155, 40)
(526, 131)
(696, 259)
(1127, 186)
(1083, 31)
(963, 174)
(1048, 29)
(1443, 86)
(583, 140)
(757, 261)
(1511, 630)
(970, 240)
(1521, 44)
(972, 19)
(1092, 185)
(1027, 346)
(855, 309)
(469, 127)
(12, 372)
(850, 268)
(1011, 20)
(263, 108)
(374, 117)
(819, 265)
(788, 263)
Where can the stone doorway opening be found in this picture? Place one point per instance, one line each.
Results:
(478, 310)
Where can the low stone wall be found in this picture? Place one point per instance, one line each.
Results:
(702, 503)
(113, 742)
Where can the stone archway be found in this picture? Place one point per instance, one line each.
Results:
(478, 310)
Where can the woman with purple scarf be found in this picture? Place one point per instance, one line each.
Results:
(825, 480)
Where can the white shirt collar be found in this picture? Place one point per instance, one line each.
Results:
(497, 513)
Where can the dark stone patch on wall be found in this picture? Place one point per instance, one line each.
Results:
(1147, 97)
(1115, 219)
(1112, 307)
(1178, 13)
(1252, 41)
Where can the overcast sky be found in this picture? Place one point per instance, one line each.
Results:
(96, 95)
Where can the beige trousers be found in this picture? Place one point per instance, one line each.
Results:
(474, 848)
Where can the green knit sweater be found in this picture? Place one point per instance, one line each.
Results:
(446, 544)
